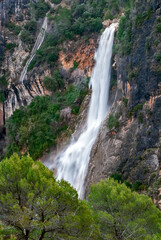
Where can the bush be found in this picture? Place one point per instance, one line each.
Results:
(124, 35)
(31, 26)
(158, 57)
(2, 96)
(113, 122)
(40, 9)
(47, 54)
(158, 27)
(135, 109)
(3, 81)
(56, 1)
(108, 15)
(31, 65)
(33, 127)
(125, 101)
(14, 28)
(26, 37)
(10, 46)
(55, 82)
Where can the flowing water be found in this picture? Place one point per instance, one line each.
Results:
(72, 163)
(37, 45)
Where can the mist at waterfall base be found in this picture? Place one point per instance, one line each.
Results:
(72, 163)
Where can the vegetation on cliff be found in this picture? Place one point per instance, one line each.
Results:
(34, 128)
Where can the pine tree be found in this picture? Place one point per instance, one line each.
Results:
(123, 214)
(33, 205)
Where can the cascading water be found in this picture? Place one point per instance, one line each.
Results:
(72, 163)
(37, 45)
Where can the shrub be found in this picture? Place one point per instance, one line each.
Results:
(2, 96)
(158, 57)
(158, 27)
(136, 186)
(140, 117)
(124, 35)
(135, 109)
(3, 81)
(31, 26)
(10, 46)
(40, 9)
(125, 101)
(56, 1)
(108, 15)
(75, 65)
(53, 83)
(133, 75)
(113, 122)
(26, 37)
(14, 28)
(31, 65)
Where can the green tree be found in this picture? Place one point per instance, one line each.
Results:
(33, 205)
(124, 214)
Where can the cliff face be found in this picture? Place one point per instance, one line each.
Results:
(132, 146)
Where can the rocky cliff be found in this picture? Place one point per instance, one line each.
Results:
(131, 144)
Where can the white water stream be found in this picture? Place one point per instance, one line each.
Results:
(37, 45)
(72, 163)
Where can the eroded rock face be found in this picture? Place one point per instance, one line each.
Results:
(133, 149)
(21, 95)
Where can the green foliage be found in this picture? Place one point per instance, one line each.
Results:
(125, 101)
(34, 127)
(147, 43)
(136, 186)
(56, 1)
(124, 35)
(75, 65)
(113, 122)
(31, 26)
(158, 27)
(140, 117)
(158, 57)
(141, 17)
(47, 53)
(34, 205)
(135, 109)
(108, 15)
(117, 177)
(10, 46)
(2, 97)
(3, 81)
(55, 82)
(123, 214)
(14, 28)
(26, 37)
(133, 75)
(31, 65)
(40, 9)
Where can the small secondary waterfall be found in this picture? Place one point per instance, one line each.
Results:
(37, 45)
(72, 163)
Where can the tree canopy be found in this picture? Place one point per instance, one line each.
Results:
(123, 214)
(33, 205)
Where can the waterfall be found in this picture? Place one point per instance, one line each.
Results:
(72, 163)
(37, 45)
